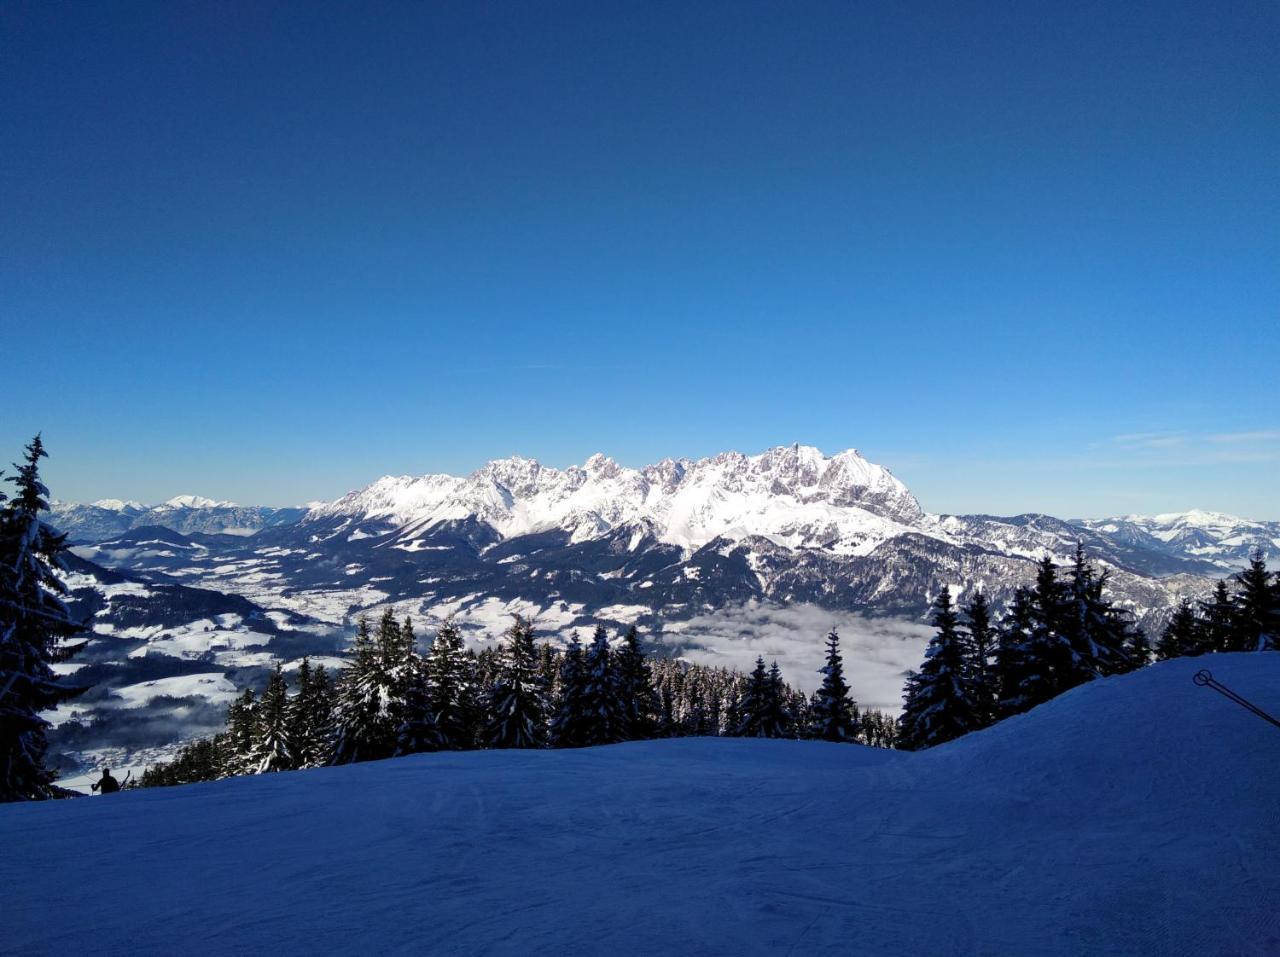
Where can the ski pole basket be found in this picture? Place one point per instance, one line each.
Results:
(1205, 679)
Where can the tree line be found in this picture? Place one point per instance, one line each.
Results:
(1060, 632)
(395, 699)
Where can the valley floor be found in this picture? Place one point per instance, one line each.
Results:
(1136, 815)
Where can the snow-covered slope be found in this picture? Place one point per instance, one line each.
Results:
(793, 495)
(1132, 816)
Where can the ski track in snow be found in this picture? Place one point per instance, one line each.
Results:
(1132, 816)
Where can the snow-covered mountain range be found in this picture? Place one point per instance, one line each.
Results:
(189, 514)
(723, 555)
(794, 496)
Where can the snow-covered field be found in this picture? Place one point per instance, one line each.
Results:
(1135, 815)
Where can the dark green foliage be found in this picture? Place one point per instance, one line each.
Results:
(1012, 665)
(981, 649)
(241, 735)
(200, 760)
(938, 701)
(273, 749)
(1256, 622)
(517, 698)
(832, 715)
(604, 717)
(1182, 636)
(751, 703)
(635, 687)
(364, 725)
(35, 632)
(311, 717)
(453, 692)
(568, 723)
(1217, 619)
(763, 705)
(1137, 651)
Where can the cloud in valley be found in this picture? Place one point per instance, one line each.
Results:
(877, 651)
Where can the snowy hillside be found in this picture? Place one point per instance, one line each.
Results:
(1131, 816)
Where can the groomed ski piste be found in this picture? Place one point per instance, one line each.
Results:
(1133, 815)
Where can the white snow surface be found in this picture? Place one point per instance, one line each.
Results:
(1132, 816)
(794, 495)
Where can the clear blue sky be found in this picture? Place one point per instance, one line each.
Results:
(1027, 256)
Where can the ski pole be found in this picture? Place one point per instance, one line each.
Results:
(1204, 679)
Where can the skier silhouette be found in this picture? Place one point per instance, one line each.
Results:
(108, 784)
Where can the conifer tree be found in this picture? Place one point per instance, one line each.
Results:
(35, 632)
(1012, 667)
(365, 728)
(1182, 636)
(1256, 622)
(517, 702)
(752, 702)
(938, 703)
(416, 729)
(1217, 620)
(832, 711)
(310, 716)
(1137, 653)
(777, 718)
(1048, 656)
(1095, 629)
(453, 692)
(604, 718)
(273, 750)
(568, 723)
(635, 687)
(242, 735)
(981, 648)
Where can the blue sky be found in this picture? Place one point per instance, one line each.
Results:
(1025, 255)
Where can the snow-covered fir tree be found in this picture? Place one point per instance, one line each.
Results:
(751, 702)
(567, 727)
(416, 729)
(1047, 656)
(832, 716)
(273, 749)
(938, 700)
(453, 690)
(517, 699)
(981, 647)
(1096, 629)
(241, 735)
(1182, 636)
(763, 704)
(635, 687)
(604, 717)
(35, 632)
(1217, 619)
(311, 716)
(1256, 610)
(1012, 667)
(364, 724)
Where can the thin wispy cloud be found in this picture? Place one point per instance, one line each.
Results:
(1261, 435)
(1199, 448)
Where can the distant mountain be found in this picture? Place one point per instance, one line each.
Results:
(1222, 541)
(203, 595)
(183, 513)
(602, 542)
